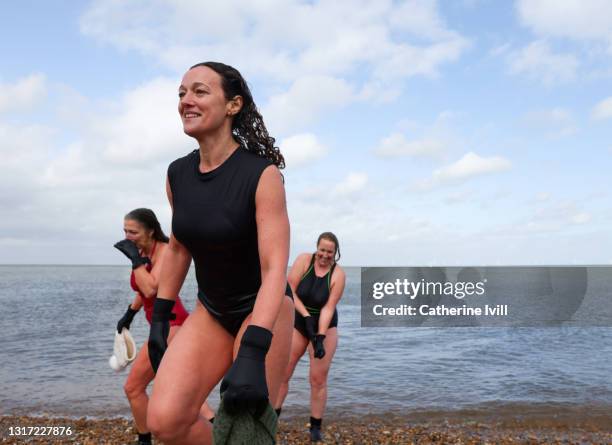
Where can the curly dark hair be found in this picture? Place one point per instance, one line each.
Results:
(248, 125)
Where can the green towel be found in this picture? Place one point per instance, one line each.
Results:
(244, 429)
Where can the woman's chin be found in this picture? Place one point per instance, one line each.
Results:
(192, 131)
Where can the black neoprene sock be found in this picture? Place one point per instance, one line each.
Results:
(314, 422)
(144, 439)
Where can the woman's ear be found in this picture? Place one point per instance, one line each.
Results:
(234, 105)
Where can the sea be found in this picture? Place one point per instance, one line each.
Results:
(57, 328)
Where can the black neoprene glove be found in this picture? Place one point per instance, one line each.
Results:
(160, 328)
(130, 250)
(126, 320)
(317, 344)
(244, 387)
(311, 326)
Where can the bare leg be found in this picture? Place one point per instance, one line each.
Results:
(206, 411)
(319, 369)
(141, 374)
(299, 343)
(194, 363)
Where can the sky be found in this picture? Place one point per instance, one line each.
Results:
(467, 132)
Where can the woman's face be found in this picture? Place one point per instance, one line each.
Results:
(326, 250)
(202, 104)
(136, 232)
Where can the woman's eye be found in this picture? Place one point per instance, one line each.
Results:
(200, 92)
(181, 93)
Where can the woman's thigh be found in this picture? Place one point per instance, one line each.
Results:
(319, 367)
(197, 358)
(141, 372)
(299, 343)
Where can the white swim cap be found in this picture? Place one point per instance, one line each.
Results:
(124, 350)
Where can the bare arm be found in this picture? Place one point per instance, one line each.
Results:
(148, 281)
(137, 303)
(295, 275)
(176, 264)
(273, 243)
(337, 288)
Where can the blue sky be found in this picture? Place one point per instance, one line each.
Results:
(421, 132)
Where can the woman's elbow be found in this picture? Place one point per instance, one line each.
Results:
(150, 292)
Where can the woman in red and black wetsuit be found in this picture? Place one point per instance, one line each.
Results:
(145, 244)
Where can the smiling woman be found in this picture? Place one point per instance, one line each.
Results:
(318, 282)
(230, 216)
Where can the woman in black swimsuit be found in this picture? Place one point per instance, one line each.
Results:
(230, 217)
(318, 283)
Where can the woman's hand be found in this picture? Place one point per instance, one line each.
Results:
(126, 320)
(130, 250)
(160, 329)
(244, 388)
(317, 345)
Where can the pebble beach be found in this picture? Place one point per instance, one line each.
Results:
(348, 431)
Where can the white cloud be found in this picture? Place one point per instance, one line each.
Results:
(145, 127)
(23, 94)
(318, 58)
(115, 162)
(351, 184)
(396, 145)
(321, 38)
(469, 166)
(555, 122)
(542, 196)
(556, 216)
(300, 105)
(539, 63)
(603, 110)
(581, 218)
(458, 197)
(301, 149)
(575, 19)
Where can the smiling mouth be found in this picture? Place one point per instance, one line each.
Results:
(191, 115)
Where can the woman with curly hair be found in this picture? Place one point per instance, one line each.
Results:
(230, 217)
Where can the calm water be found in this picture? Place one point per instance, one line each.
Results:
(57, 329)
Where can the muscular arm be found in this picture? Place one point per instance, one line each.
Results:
(176, 264)
(295, 274)
(273, 243)
(335, 293)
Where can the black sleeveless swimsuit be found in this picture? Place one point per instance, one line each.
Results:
(313, 291)
(214, 218)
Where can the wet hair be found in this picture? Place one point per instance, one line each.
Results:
(248, 125)
(331, 237)
(147, 218)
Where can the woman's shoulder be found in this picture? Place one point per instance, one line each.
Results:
(160, 248)
(252, 161)
(303, 259)
(183, 160)
(338, 272)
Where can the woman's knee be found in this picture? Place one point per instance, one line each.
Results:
(318, 380)
(134, 388)
(167, 424)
